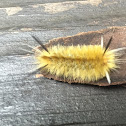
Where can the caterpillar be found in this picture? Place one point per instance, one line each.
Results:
(78, 64)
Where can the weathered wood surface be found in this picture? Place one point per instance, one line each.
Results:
(29, 101)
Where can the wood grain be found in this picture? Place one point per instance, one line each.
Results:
(29, 101)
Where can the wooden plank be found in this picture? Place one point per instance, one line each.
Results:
(30, 101)
(74, 15)
(43, 101)
(13, 3)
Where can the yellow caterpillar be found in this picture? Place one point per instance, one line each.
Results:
(82, 63)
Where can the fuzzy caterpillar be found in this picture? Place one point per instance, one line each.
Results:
(85, 63)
